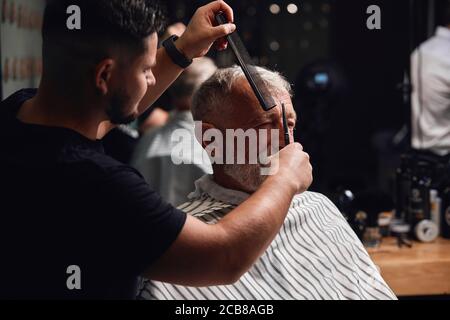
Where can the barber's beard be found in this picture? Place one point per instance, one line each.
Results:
(116, 109)
(248, 176)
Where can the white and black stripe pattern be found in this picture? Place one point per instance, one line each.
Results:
(316, 255)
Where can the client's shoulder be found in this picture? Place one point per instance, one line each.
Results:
(310, 202)
(206, 208)
(316, 211)
(310, 197)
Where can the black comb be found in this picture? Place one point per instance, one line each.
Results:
(251, 73)
(287, 137)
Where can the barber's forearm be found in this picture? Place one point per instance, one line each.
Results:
(165, 72)
(220, 254)
(252, 226)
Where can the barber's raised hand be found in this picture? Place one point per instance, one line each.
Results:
(203, 31)
(295, 168)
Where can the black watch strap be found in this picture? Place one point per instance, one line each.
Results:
(177, 57)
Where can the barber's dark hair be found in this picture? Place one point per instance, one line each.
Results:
(106, 25)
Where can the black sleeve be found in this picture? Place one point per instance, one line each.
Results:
(144, 226)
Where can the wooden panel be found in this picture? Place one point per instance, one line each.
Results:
(421, 270)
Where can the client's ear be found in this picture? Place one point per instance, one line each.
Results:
(201, 128)
(103, 75)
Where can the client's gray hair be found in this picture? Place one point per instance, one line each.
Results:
(215, 92)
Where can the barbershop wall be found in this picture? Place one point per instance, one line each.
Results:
(21, 44)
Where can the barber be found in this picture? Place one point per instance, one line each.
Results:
(76, 223)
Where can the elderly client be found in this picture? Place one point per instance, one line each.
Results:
(316, 255)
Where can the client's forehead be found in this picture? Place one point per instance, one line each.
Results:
(246, 108)
(243, 97)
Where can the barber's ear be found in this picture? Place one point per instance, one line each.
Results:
(103, 75)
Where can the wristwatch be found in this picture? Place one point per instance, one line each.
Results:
(177, 57)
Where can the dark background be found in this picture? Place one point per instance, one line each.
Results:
(349, 129)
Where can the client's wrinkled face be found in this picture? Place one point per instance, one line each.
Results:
(248, 114)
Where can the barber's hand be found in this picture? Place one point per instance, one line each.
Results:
(202, 31)
(294, 167)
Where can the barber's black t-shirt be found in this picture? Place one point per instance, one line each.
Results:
(70, 215)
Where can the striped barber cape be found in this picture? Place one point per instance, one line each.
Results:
(316, 255)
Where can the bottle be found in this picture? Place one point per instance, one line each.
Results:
(435, 203)
(384, 222)
(403, 189)
(360, 223)
(420, 208)
(372, 236)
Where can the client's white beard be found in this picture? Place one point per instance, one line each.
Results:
(247, 175)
